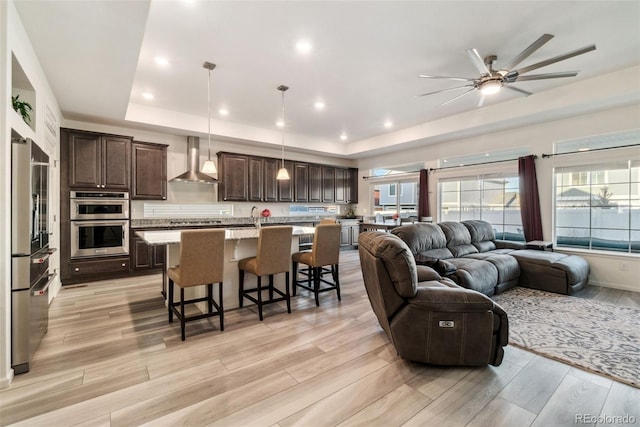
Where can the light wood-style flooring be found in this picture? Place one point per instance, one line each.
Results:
(110, 358)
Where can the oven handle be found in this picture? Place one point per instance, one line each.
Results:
(43, 289)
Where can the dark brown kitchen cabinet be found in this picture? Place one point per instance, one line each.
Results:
(315, 183)
(234, 173)
(285, 186)
(256, 179)
(98, 266)
(301, 182)
(143, 256)
(98, 160)
(328, 184)
(352, 185)
(270, 169)
(341, 189)
(149, 171)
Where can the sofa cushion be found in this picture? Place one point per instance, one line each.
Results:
(421, 237)
(476, 274)
(479, 230)
(399, 262)
(458, 238)
(485, 246)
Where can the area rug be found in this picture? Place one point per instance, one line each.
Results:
(595, 336)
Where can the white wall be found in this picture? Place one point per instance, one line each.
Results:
(14, 39)
(606, 269)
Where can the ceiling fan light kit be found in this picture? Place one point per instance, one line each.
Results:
(491, 81)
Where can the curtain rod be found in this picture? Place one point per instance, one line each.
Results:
(392, 175)
(478, 164)
(544, 156)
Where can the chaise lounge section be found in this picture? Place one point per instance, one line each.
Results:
(468, 253)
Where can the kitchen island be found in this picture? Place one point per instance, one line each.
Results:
(239, 243)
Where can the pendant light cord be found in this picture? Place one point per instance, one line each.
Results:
(283, 124)
(209, 114)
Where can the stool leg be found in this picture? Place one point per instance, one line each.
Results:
(337, 280)
(240, 287)
(182, 322)
(270, 286)
(221, 306)
(316, 284)
(294, 268)
(170, 301)
(286, 290)
(260, 297)
(210, 297)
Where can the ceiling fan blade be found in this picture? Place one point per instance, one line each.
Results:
(444, 90)
(478, 62)
(528, 51)
(546, 76)
(481, 100)
(524, 92)
(556, 59)
(463, 79)
(458, 97)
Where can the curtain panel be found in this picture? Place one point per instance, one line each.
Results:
(529, 199)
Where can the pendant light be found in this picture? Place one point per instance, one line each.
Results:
(209, 167)
(283, 174)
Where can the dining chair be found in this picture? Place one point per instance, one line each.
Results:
(201, 264)
(325, 252)
(274, 249)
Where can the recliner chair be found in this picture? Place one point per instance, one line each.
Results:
(428, 318)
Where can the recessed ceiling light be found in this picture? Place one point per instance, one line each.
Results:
(486, 154)
(161, 61)
(445, 161)
(583, 149)
(303, 46)
(147, 95)
(319, 105)
(343, 136)
(280, 123)
(223, 112)
(388, 124)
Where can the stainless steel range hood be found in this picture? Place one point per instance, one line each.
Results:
(193, 174)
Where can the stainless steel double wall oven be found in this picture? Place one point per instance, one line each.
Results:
(99, 223)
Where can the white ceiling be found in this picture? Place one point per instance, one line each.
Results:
(364, 63)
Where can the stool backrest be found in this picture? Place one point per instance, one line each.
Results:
(328, 221)
(201, 257)
(274, 250)
(326, 244)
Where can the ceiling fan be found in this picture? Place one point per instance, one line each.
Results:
(491, 81)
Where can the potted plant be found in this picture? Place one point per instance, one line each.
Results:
(22, 107)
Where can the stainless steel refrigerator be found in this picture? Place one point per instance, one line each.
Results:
(30, 278)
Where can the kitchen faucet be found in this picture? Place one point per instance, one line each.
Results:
(255, 217)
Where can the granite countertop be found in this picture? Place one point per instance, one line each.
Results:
(164, 237)
(171, 223)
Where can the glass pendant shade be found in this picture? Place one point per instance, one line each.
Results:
(283, 174)
(209, 167)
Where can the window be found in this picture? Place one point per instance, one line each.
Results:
(493, 198)
(395, 198)
(597, 206)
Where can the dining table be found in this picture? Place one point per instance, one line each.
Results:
(239, 243)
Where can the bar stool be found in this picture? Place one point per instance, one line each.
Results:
(274, 247)
(201, 263)
(328, 221)
(325, 252)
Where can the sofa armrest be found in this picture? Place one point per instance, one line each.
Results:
(509, 244)
(427, 273)
(451, 300)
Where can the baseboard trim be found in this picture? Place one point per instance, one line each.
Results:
(615, 286)
(5, 382)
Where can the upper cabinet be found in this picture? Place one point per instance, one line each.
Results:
(234, 177)
(253, 178)
(149, 171)
(98, 160)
